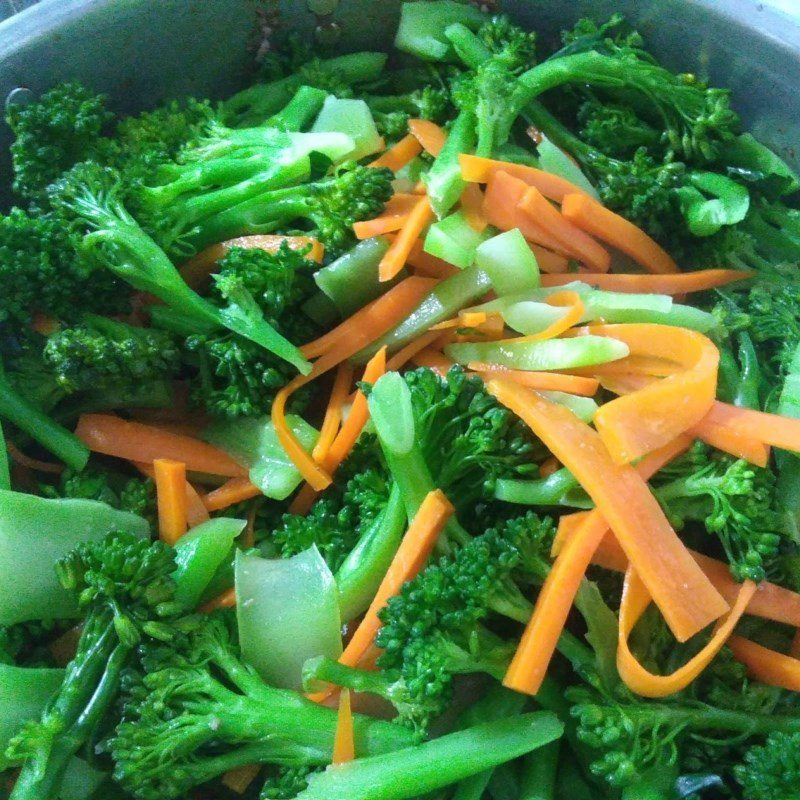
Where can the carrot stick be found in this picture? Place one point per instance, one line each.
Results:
(770, 429)
(239, 779)
(344, 748)
(171, 496)
(684, 595)
(475, 169)
(550, 262)
(635, 600)
(198, 269)
(642, 421)
(235, 490)
(427, 265)
(428, 134)
(399, 154)
(433, 359)
(196, 512)
(597, 220)
(394, 216)
(571, 238)
(679, 283)
(472, 206)
(404, 355)
(532, 659)
(225, 600)
(765, 665)
(112, 436)
(333, 413)
(548, 467)
(395, 257)
(416, 546)
(545, 381)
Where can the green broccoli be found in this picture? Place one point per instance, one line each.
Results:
(392, 112)
(125, 588)
(614, 129)
(772, 770)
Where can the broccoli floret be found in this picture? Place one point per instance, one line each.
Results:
(195, 711)
(28, 643)
(62, 127)
(285, 783)
(733, 499)
(614, 129)
(125, 587)
(516, 46)
(772, 770)
(392, 112)
(103, 353)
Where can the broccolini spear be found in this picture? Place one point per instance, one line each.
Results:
(196, 711)
(125, 587)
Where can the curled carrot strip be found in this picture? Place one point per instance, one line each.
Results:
(634, 425)
(395, 258)
(428, 134)
(475, 169)
(765, 665)
(333, 413)
(679, 283)
(635, 600)
(597, 220)
(546, 381)
(400, 154)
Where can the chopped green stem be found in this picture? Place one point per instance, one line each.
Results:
(539, 771)
(749, 384)
(444, 181)
(5, 471)
(549, 491)
(300, 111)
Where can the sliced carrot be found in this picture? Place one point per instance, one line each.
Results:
(416, 546)
(394, 216)
(333, 413)
(765, 665)
(532, 659)
(225, 600)
(198, 269)
(344, 747)
(396, 256)
(433, 359)
(235, 490)
(571, 238)
(635, 600)
(472, 206)
(684, 595)
(679, 283)
(544, 381)
(642, 421)
(170, 479)
(770, 429)
(548, 467)
(404, 355)
(599, 221)
(550, 262)
(64, 648)
(399, 154)
(112, 436)
(428, 134)
(239, 779)
(196, 512)
(475, 169)
(427, 265)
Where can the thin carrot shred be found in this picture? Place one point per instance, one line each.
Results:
(399, 154)
(548, 467)
(239, 779)
(170, 479)
(475, 169)
(196, 512)
(428, 134)
(344, 746)
(571, 238)
(394, 216)
(684, 595)
(617, 231)
(235, 490)
(770, 429)
(765, 665)
(416, 546)
(32, 463)
(433, 359)
(543, 381)
(679, 283)
(472, 206)
(575, 308)
(333, 413)
(135, 441)
(225, 600)
(405, 354)
(395, 258)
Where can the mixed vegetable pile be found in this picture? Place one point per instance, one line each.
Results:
(361, 442)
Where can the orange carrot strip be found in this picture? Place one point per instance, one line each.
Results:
(239, 779)
(765, 665)
(548, 467)
(405, 354)
(112, 436)
(198, 269)
(642, 421)
(395, 257)
(572, 239)
(171, 497)
(794, 647)
(635, 600)
(393, 217)
(344, 747)
(550, 262)
(472, 206)
(650, 366)
(679, 283)
(333, 413)
(427, 265)
(225, 600)
(43, 324)
(589, 215)
(684, 595)
(771, 429)
(196, 512)
(569, 300)
(428, 134)
(235, 490)
(433, 359)
(546, 381)
(399, 154)
(475, 169)
(397, 303)
(416, 546)
(64, 648)
(532, 659)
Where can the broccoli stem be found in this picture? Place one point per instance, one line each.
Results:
(539, 771)
(418, 770)
(749, 385)
(5, 471)
(444, 181)
(549, 491)
(300, 111)
(469, 48)
(28, 418)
